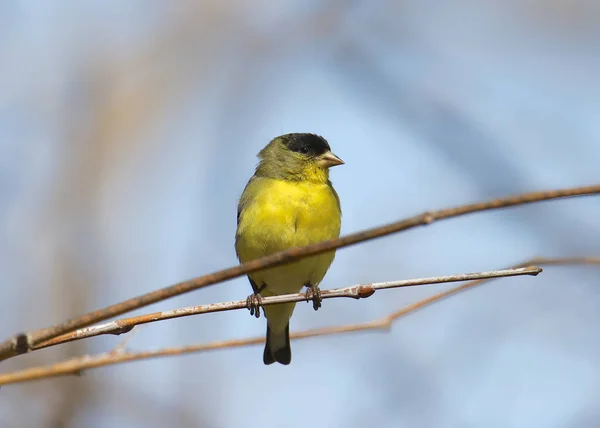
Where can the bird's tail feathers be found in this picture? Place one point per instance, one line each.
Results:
(277, 347)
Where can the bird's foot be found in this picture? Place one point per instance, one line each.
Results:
(314, 293)
(253, 303)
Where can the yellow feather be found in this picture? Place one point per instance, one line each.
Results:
(280, 214)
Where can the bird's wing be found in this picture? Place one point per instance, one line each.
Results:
(245, 198)
(337, 198)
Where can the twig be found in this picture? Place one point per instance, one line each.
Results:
(357, 292)
(125, 325)
(24, 342)
(77, 365)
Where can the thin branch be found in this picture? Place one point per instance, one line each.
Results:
(356, 292)
(125, 325)
(119, 355)
(78, 365)
(24, 342)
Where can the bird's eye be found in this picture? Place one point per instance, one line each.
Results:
(304, 150)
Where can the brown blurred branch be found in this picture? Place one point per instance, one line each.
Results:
(119, 355)
(78, 365)
(25, 342)
(357, 292)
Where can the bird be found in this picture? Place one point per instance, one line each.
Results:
(288, 202)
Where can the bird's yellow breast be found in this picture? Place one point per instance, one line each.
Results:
(279, 214)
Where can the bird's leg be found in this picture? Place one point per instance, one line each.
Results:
(313, 293)
(254, 301)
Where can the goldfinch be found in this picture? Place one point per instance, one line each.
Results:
(288, 202)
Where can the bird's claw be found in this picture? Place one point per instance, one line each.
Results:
(253, 303)
(314, 293)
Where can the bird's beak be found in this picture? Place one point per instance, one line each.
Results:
(328, 159)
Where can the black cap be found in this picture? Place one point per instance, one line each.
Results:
(307, 144)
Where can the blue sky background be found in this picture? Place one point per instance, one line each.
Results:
(128, 130)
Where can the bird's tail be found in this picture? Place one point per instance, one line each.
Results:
(277, 347)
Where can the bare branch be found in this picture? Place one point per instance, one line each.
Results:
(24, 342)
(357, 292)
(119, 355)
(77, 365)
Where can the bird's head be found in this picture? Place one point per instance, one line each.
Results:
(297, 156)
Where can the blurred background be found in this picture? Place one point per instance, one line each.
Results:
(128, 130)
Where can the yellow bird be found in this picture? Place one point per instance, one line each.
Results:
(289, 202)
